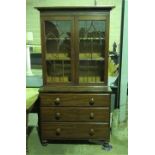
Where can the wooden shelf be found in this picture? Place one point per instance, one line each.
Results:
(56, 56)
(89, 79)
(92, 38)
(92, 59)
(91, 56)
(58, 38)
(63, 79)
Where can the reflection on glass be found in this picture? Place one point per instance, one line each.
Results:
(91, 71)
(58, 49)
(92, 39)
(58, 71)
(91, 51)
(58, 38)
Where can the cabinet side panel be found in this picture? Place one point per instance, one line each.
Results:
(43, 49)
(106, 50)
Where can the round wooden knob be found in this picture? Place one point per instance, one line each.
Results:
(91, 115)
(57, 101)
(57, 115)
(58, 130)
(92, 132)
(91, 102)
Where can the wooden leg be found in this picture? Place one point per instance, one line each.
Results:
(105, 145)
(44, 142)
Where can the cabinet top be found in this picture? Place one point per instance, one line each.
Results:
(75, 89)
(76, 8)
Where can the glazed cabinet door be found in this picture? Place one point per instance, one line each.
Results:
(92, 46)
(57, 44)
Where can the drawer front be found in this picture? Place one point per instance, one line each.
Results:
(75, 131)
(75, 99)
(74, 114)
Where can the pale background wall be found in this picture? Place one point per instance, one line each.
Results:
(33, 23)
(124, 68)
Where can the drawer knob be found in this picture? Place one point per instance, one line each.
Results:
(91, 115)
(91, 102)
(58, 130)
(57, 101)
(92, 132)
(57, 115)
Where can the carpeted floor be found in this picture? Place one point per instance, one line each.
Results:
(120, 146)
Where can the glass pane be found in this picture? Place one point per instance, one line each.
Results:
(91, 71)
(58, 39)
(92, 39)
(58, 50)
(91, 51)
(58, 71)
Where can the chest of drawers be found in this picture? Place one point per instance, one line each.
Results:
(74, 116)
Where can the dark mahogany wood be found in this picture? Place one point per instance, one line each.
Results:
(75, 131)
(72, 114)
(75, 89)
(74, 110)
(60, 99)
(81, 13)
(86, 9)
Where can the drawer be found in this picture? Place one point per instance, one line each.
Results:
(75, 99)
(75, 131)
(74, 114)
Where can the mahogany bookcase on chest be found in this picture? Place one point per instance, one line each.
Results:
(75, 97)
